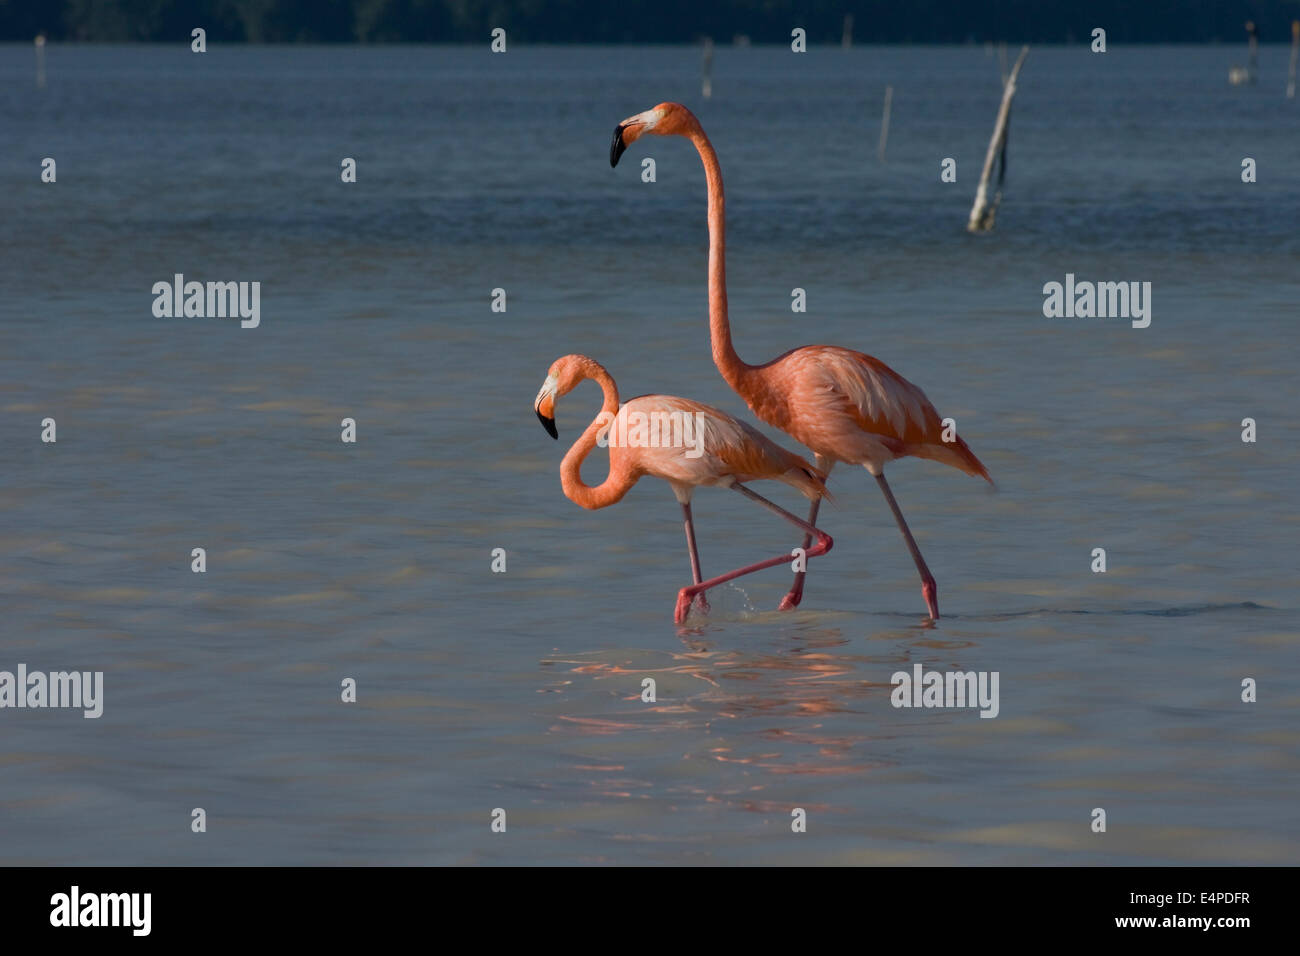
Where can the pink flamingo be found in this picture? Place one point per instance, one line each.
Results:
(719, 450)
(844, 405)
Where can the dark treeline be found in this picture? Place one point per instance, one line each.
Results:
(643, 21)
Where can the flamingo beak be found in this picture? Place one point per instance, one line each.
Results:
(633, 128)
(548, 424)
(544, 405)
(617, 147)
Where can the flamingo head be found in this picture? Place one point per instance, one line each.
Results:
(666, 119)
(564, 375)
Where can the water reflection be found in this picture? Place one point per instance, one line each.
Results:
(770, 702)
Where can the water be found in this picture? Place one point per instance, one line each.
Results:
(521, 690)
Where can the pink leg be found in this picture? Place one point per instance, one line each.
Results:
(700, 601)
(687, 594)
(929, 589)
(795, 594)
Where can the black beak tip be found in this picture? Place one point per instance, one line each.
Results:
(617, 147)
(548, 424)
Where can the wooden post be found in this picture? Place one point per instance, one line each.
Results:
(1252, 55)
(1238, 75)
(884, 123)
(1295, 49)
(707, 82)
(982, 213)
(40, 60)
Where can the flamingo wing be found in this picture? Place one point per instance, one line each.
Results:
(849, 405)
(727, 448)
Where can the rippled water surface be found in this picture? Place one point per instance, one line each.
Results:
(521, 690)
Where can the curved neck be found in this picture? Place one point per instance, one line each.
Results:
(724, 353)
(613, 487)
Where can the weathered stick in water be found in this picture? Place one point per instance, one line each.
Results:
(1252, 55)
(40, 60)
(982, 213)
(707, 83)
(1237, 75)
(1295, 50)
(884, 123)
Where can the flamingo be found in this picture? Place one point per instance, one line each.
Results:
(844, 405)
(729, 453)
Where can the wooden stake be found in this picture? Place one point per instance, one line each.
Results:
(884, 122)
(1295, 50)
(707, 82)
(982, 213)
(1252, 54)
(1237, 75)
(40, 60)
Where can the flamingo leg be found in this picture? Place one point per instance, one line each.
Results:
(795, 594)
(929, 589)
(700, 601)
(687, 594)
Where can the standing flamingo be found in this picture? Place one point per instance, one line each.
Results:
(729, 452)
(844, 405)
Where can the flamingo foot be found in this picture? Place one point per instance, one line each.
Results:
(791, 600)
(930, 591)
(684, 599)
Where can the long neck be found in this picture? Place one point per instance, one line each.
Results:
(615, 485)
(724, 353)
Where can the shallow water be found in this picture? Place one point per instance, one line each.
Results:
(522, 690)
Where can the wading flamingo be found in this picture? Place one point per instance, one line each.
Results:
(844, 405)
(729, 452)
